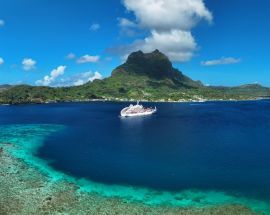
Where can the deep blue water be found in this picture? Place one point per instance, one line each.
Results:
(213, 145)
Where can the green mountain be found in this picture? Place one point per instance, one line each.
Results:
(144, 76)
(156, 66)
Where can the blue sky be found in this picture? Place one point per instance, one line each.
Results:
(56, 43)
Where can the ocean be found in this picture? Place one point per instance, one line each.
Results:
(206, 147)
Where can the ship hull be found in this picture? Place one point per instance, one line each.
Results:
(123, 114)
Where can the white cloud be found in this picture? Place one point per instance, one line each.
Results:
(94, 27)
(123, 22)
(96, 75)
(169, 23)
(49, 79)
(168, 14)
(1, 61)
(86, 77)
(70, 56)
(88, 59)
(28, 64)
(179, 48)
(77, 79)
(221, 61)
(2, 23)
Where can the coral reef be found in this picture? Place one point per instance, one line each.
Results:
(28, 186)
(24, 190)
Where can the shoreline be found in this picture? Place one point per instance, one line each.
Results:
(22, 174)
(133, 100)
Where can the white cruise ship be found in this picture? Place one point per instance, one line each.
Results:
(137, 110)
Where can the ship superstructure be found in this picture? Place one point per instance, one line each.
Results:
(137, 110)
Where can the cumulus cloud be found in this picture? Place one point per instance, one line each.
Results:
(94, 27)
(83, 78)
(221, 61)
(2, 23)
(96, 75)
(28, 64)
(179, 48)
(169, 23)
(50, 79)
(168, 14)
(1, 61)
(88, 59)
(77, 79)
(70, 56)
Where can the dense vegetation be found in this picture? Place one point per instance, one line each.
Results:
(143, 77)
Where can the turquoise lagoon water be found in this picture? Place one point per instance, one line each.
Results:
(188, 154)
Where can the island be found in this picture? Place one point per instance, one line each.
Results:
(144, 77)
